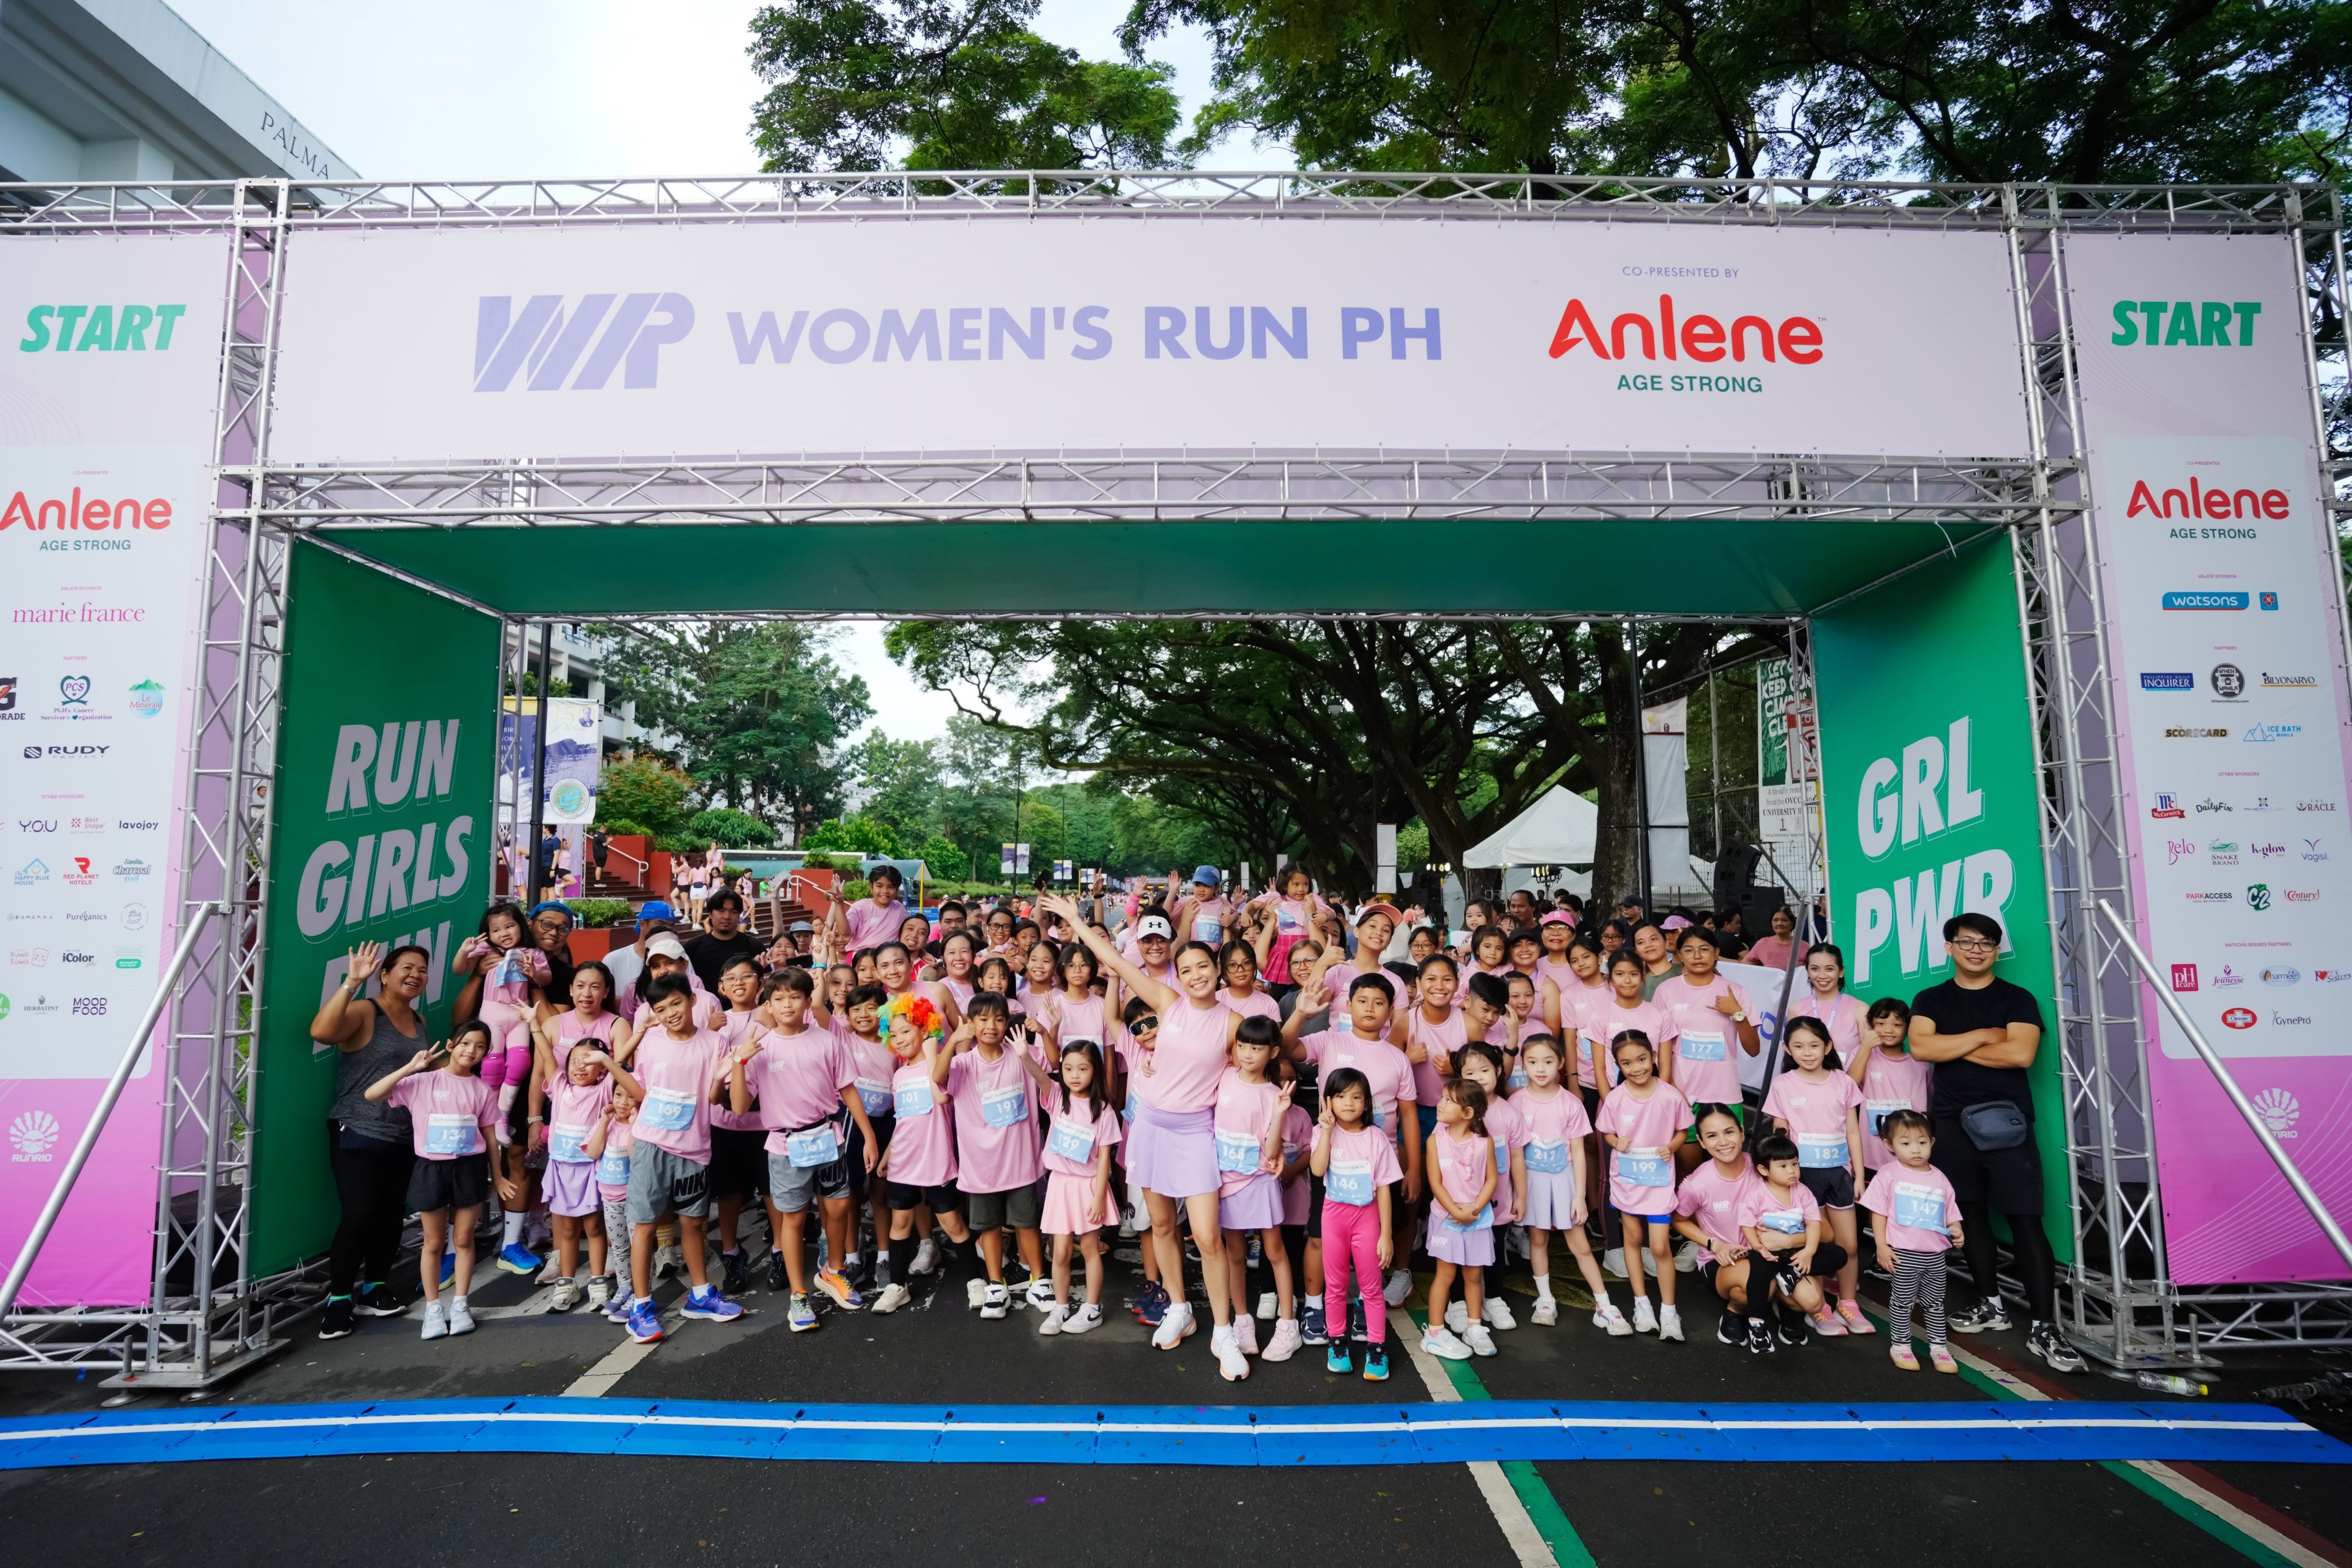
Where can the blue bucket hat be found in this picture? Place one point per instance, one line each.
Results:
(1208, 874)
(655, 909)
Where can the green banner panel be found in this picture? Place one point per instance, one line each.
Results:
(1931, 797)
(380, 831)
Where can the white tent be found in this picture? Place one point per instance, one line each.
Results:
(1557, 830)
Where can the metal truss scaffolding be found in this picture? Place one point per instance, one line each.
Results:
(207, 1312)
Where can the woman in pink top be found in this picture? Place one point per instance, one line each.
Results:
(1708, 1014)
(1250, 1108)
(893, 971)
(1241, 991)
(1644, 1120)
(1772, 952)
(1706, 1212)
(453, 1117)
(959, 957)
(1171, 1148)
(1829, 1002)
(1434, 1028)
(1819, 1106)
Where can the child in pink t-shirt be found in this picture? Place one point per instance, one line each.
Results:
(609, 1140)
(1642, 1120)
(453, 1117)
(1706, 1212)
(1481, 1062)
(1551, 1166)
(512, 972)
(1781, 1220)
(1248, 1123)
(1461, 1169)
(991, 1072)
(1357, 1164)
(1918, 1222)
(1819, 1106)
(1892, 1078)
(576, 1108)
(1076, 1159)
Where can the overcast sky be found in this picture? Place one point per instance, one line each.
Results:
(521, 88)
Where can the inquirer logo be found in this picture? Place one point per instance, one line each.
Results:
(551, 347)
(2167, 681)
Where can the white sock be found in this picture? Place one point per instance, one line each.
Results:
(1543, 1287)
(514, 1230)
(507, 1092)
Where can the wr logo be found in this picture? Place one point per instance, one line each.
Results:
(551, 343)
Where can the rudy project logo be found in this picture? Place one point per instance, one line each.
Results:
(1702, 338)
(2278, 1109)
(579, 348)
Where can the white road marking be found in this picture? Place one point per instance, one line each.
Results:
(1526, 1542)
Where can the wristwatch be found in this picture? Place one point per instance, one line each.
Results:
(1740, 1018)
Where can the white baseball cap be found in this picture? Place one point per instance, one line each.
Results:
(1153, 926)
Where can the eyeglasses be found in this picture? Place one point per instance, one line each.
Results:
(1144, 1024)
(1975, 944)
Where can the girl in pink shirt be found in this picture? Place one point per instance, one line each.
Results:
(1819, 1106)
(512, 969)
(1461, 1221)
(738, 1161)
(1249, 1113)
(1552, 1165)
(1076, 1159)
(1713, 1021)
(1706, 1211)
(575, 1109)
(1357, 1165)
(1624, 1010)
(1490, 951)
(1481, 1062)
(1074, 1012)
(1433, 1029)
(1643, 1120)
(1295, 910)
(919, 1168)
(1781, 1222)
(1919, 1221)
(1892, 1078)
(1518, 1022)
(1582, 983)
(609, 1142)
(453, 1117)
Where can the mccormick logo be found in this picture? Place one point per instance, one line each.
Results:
(2184, 977)
(2239, 1018)
(2167, 681)
(2165, 807)
(1705, 339)
(553, 343)
(2205, 599)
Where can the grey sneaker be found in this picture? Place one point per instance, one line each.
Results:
(2045, 1341)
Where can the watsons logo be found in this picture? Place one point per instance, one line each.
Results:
(2205, 599)
(107, 328)
(2194, 499)
(1922, 796)
(2185, 323)
(555, 344)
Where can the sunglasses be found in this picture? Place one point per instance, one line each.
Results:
(1145, 1024)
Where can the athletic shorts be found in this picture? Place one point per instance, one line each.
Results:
(884, 1125)
(662, 1183)
(944, 1199)
(990, 1210)
(460, 1183)
(1831, 1188)
(791, 1188)
(2008, 1179)
(739, 1161)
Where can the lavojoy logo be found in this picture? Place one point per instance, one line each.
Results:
(550, 341)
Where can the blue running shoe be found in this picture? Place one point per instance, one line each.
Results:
(1336, 1358)
(645, 1324)
(1310, 1324)
(1375, 1364)
(803, 1313)
(1356, 1329)
(707, 1302)
(1150, 1304)
(518, 1259)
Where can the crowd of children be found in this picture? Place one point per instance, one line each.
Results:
(1030, 1087)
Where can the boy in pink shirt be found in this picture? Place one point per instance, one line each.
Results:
(1918, 1222)
(453, 1116)
(989, 1071)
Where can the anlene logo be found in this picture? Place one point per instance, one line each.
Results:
(1705, 339)
(550, 343)
(2198, 501)
(58, 512)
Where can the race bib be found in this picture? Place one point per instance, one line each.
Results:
(613, 1170)
(1701, 1045)
(1207, 930)
(450, 1133)
(1547, 1155)
(1875, 1112)
(1644, 1169)
(914, 1101)
(1236, 1151)
(1349, 1182)
(1920, 1207)
(816, 1146)
(1518, 1078)
(1822, 1151)
(669, 1110)
(1003, 1107)
(1502, 1159)
(1783, 1221)
(875, 1095)
(1285, 922)
(1483, 1220)
(1072, 1142)
(567, 1145)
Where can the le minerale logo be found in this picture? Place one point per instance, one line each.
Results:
(114, 329)
(2185, 323)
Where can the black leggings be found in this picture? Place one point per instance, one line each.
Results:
(2037, 1267)
(372, 1188)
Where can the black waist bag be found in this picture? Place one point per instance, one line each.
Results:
(1995, 1125)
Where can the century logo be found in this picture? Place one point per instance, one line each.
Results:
(553, 343)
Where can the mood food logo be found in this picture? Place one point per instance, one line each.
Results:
(575, 348)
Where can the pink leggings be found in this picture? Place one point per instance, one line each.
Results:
(1352, 1229)
(509, 1059)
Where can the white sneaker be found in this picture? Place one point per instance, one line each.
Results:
(436, 1321)
(927, 1258)
(1547, 1312)
(1457, 1316)
(1245, 1334)
(1670, 1324)
(461, 1316)
(553, 1274)
(995, 1299)
(1231, 1364)
(1498, 1314)
(1082, 1319)
(1608, 1317)
(1686, 1257)
(894, 1296)
(669, 1260)
(1267, 1305)
(1400, 1286)
(1438, 1340)
(1285, 1341)
(1040, 1294)
(1051, 1324)
(1175, 1324)
(1480, 1342)
(568, 1295)
(975, 1293)
(1645, 1320)
(1612, 1262)
(600, 1292)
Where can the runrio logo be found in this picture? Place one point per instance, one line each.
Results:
(2279, 1110)
(34, 1134)
(550, 341)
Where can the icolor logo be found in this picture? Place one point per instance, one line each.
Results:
(551, 342)
(1703, 337)
(2185, 323)
(99, 327)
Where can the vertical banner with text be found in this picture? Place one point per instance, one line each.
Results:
(2224, 597)
(381, 833)
(110, 366)
(1932, 801)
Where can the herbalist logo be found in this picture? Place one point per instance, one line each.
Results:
(101, 328)
(2185, 323)
(1702, 338)
(2258, 896)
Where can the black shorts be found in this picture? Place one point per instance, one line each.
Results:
(1708, 1270)
(1832, 1189)
(944, 1199)
(2008, 1179)
(461, 1182)
(1314, 1206)
(1827, 1259)
(1592, 1098)
(854, 1155)
(739, 1161)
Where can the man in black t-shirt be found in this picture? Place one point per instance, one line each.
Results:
(722, 939)
(1981, 1033)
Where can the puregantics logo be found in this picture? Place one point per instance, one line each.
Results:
(553, 343)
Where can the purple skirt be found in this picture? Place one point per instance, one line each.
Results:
(1470, 1248)
(1256, 1205)
(570, 1189)
(1173, 1153)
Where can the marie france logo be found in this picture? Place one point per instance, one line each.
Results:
(553, 342)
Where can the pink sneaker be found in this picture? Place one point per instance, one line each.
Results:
(1856, 1320)
(1903, 1356)
(1942, 1356)
(1825, 1323)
